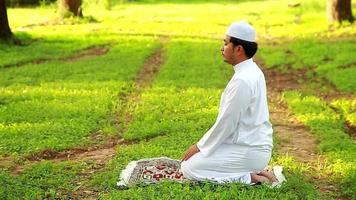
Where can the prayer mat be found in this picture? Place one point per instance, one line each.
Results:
(155, 170)
(149, 171)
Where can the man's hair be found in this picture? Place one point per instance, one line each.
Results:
(249, 47)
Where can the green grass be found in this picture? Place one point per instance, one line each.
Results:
(49, 48)
(42, 181)
(328, 126)
(46, 117)
(347, 107)
(320, 57)
(210, 191)
(57, 105)
(182, 97)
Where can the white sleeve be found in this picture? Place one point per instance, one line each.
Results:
(236, 100)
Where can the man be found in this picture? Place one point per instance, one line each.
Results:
(238, 146)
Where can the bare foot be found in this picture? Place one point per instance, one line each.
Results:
(255, 178)
(269, 174)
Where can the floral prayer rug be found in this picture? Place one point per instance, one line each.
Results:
(151, 171)
(155, 170)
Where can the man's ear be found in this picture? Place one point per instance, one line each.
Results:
(238, 49)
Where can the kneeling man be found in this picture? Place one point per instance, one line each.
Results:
(238, 146)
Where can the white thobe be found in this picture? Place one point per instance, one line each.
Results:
(240, 141)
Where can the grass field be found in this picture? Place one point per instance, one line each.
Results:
(75, 80)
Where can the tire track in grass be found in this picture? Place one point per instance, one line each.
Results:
(100, 154)
(295, 139)
(81, 54)
(143, 80)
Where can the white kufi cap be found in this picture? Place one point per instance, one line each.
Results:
(242, 30)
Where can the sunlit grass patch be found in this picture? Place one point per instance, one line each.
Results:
(334, 142)
(194, 63)
(168, 190)
(119, 64)
(44, 180)
(57, 105)
(49, 103)
(185, 94)
(43, 117)
(26, 16)
(347, 107)
(342, 78)
(165, 110)
(49, 48)
(332, 60)
(316, 114)
(272, 19)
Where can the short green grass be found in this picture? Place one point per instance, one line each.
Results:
(43, 181)
(182, 97)
(347, 108)
(335, 143)
(57, 105)
(49, 48)
(322, 58)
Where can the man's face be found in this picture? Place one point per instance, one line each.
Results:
(227, 50)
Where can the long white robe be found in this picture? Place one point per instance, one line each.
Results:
(240, 141)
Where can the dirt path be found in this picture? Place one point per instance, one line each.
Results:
(294, 138)
(81, 54)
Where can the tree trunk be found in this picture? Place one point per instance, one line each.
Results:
(5, 31)
(340, 10)
(72, 6)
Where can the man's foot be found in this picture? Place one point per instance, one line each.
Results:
(255, 178)
(268, 174)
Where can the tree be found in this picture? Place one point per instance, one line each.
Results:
(73, 7)
(340, 10)
(5, 31)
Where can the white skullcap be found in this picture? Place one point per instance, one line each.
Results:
(242, 30)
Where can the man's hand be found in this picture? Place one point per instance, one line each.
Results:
(190, 152)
